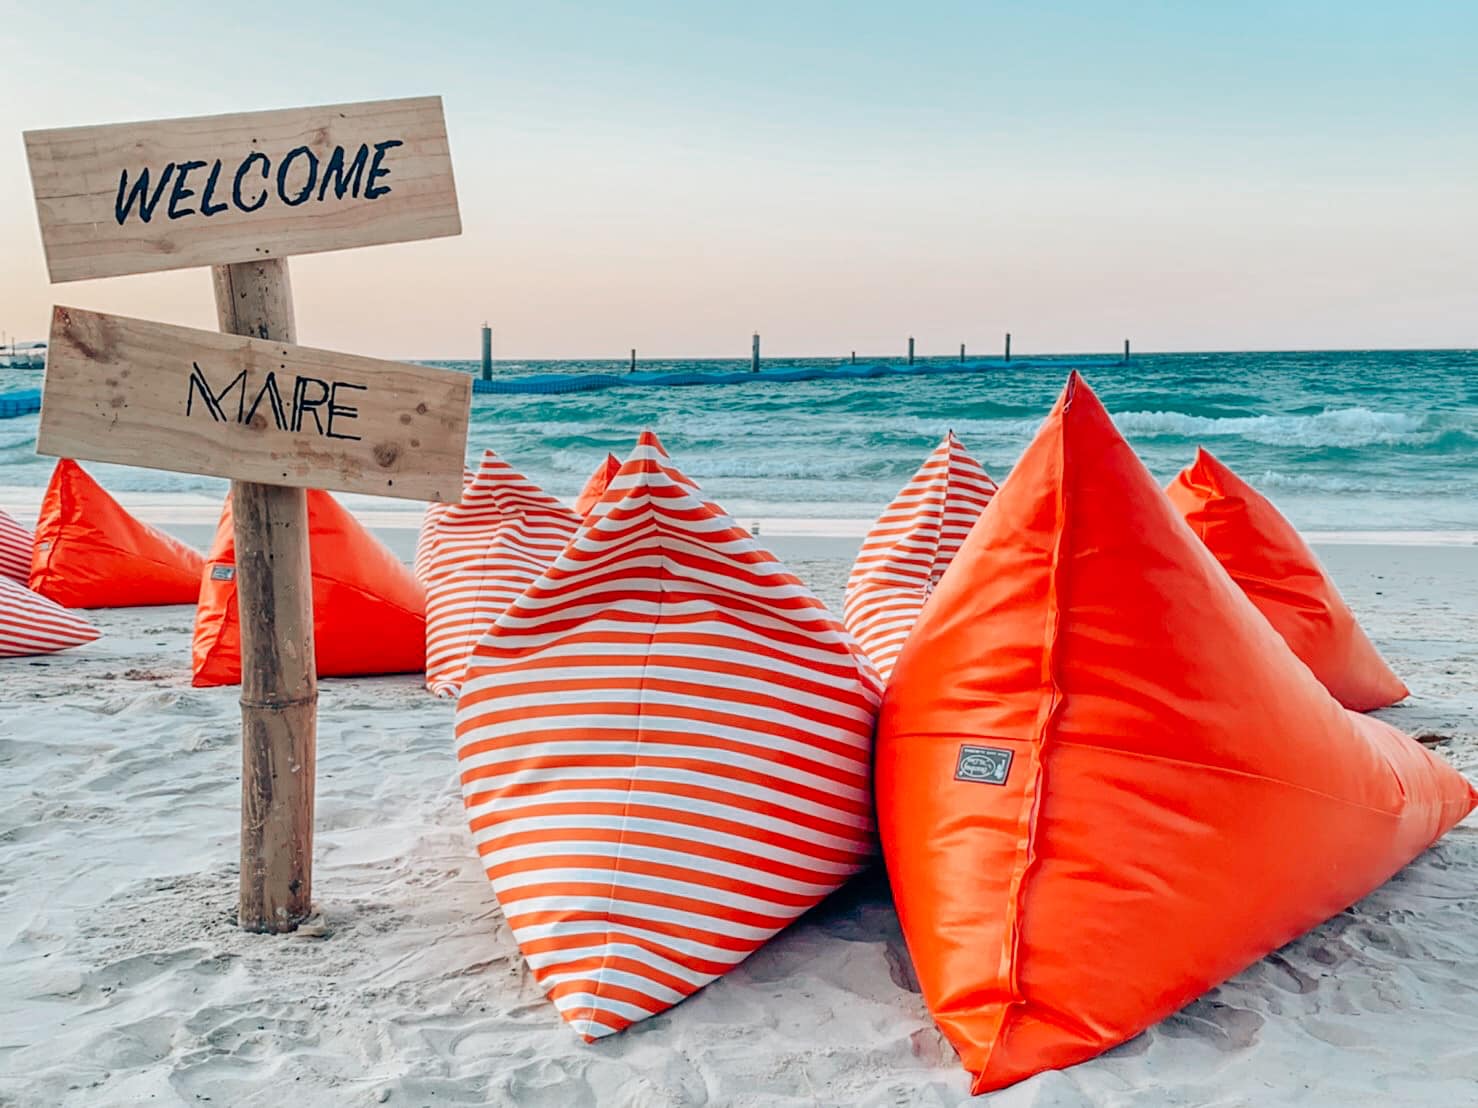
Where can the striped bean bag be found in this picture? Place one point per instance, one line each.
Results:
(665, 752)
(909, 548)
(426, 539)
(31, 624)
(595, 487)
(16, 545)
(477, 556)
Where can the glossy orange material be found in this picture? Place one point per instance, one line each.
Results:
(1104, 782)
(369, 612)
(595, 488)
(91, 553)
(1265, 554)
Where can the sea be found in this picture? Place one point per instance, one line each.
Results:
(1342, 441)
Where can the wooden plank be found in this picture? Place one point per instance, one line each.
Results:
(169, 194)
(150, 394)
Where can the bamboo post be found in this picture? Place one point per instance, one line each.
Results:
(279, 683)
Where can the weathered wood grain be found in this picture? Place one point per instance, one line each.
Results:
(279, 680)
(165, 397)
(92, 217)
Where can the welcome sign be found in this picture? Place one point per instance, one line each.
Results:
(212, 190)
(241, 193)
(152, 394)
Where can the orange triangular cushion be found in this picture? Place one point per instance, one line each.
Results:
(31, 624)
(909, 548)
(665, 748)
(1104, 782)
(477, 556)
(368, 610)
(595, 488)
(1279, 573)
(90, 553)
(16, 545)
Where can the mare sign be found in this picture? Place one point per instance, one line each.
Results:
(141, 393)
(211, 190)
(241, 193)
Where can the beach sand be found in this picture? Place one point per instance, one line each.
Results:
(123, 979)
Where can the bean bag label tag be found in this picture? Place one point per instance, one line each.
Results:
(983, 763)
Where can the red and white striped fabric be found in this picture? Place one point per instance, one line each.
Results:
(665, 749)
(16, 545)
(477, 556)
(595, 487)
(909, 548)
(426, 539)
(31, 624)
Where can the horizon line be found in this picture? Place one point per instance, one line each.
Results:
(1022, 355)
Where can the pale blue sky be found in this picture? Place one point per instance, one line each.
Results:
(837, 175)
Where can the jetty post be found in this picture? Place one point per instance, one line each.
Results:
(962, 353)
(1126, 350)
(1008, 346)
(910, 350)
(633, 361)
(754, 354)
(487, 352)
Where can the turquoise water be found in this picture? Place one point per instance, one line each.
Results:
(1341, 440)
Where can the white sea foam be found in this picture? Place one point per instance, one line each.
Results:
(1346, 428)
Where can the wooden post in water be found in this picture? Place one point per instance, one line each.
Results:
(279, 683)
(854, 357)
(1126, 350)
(962, 353)
(633, 361)
(487, 352)
(1008, 346)
(754, 355)
(910, 350)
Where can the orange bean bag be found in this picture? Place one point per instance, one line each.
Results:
(90, 553)
(368, 609)
(909, 548)
(477, 556)
(665, 747)
(16, 545)
(595, 488)
(1265, 554)
(1104, 782)
(31, 624)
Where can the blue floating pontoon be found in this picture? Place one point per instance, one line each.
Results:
(589, 382)
(24, 402)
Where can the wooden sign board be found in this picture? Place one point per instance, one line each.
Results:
(150, 394)
(212, 190)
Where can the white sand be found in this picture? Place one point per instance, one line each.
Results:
(124, 981)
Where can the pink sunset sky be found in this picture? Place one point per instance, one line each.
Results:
(837, 176)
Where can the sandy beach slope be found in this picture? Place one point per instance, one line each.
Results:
(124, 981)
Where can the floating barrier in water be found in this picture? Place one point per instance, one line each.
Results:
(28, 401)
(590, 382)
(24, 402)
